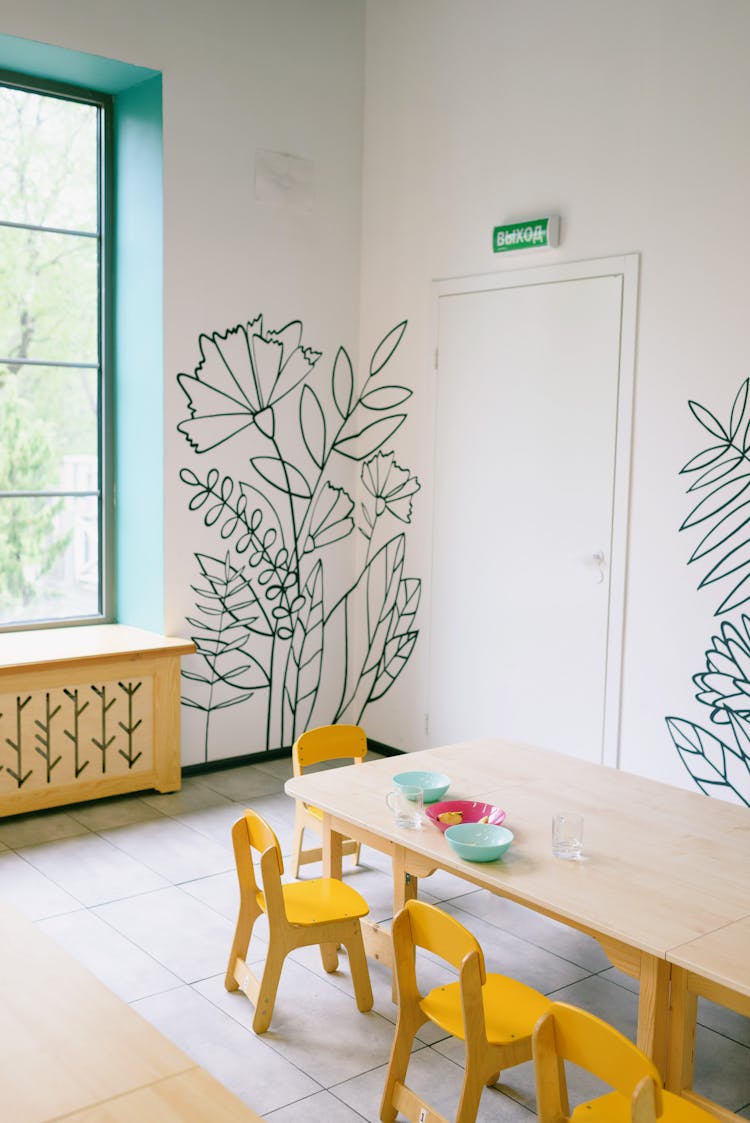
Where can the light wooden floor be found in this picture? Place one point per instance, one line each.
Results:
(142, 890)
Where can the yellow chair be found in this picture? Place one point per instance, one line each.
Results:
(323, 911)
(566, 1033)
(329, 742)
(493, 1015)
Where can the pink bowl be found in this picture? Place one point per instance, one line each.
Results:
(471, 810)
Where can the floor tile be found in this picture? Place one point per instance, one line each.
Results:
(308, 1012)
(724, 1021)
(438, 1080)
(39, 826)
(606, 999)
(722, 1072)
(220, 892)
(536, 929)
(281, 768)
(320, 1108)
(241, 784)
(91, 869)
(172, 850)
(507, 955)
(122, 966)
(103, 814)
(29, 891)
(194, 795)
(176, 930)
(243, 1062)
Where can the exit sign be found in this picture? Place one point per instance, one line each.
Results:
(536, 233)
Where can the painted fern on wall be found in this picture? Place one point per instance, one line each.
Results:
(270, 618)
(718, 757)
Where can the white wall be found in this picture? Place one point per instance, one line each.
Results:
(630, 121)
(627, 120)
(238, 75)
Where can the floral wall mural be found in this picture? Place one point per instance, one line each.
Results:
(274, 618)
(718, 757)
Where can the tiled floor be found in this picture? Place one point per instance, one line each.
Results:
(142, 890)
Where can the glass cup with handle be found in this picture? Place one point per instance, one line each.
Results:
(406, 803)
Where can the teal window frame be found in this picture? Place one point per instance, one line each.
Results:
(135, 443)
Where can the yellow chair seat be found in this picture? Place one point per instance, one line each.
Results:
(321, 900)
(507, 1004)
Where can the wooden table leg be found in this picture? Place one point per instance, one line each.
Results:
(333, 844)
(405, 885)
(653, 1010)
(683, 1015)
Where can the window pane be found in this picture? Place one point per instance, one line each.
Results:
(48, 161)
(49, 565)
(48, 296)
(48, 428)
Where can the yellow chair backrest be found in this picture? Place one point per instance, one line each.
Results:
(439, 933)
(329, 742)
(262, 837)
(593, 1044)
(566, 1033)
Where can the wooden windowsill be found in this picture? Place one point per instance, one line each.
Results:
(46, 647)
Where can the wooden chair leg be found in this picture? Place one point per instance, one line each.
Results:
(269, 984)
(471, 1093)
(249, 913)
(403, 1040)
(360, 972)
(330, 957)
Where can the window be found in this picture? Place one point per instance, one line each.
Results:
(54, 479)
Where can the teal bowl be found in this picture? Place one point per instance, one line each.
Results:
(434, 785)
(479, 842)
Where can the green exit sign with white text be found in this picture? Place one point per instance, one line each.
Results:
(534, 234)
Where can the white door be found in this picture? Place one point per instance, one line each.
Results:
(528, 557)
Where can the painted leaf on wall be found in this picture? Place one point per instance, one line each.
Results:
(368, 440)
(722, 511)
(343, 383)
(715, 766)
(386, 347)
(312, 424)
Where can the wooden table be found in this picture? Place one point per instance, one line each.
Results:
(661, 866)
(715, 966)
(72, 1050)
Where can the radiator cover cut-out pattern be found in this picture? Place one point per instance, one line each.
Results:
(75, 734)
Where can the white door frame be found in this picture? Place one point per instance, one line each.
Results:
(625, 266)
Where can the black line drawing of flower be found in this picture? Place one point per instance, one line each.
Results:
(725, 684)
(391, 487)
(282, 521)
(240, 377)
(721, 478)
(330, 519)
